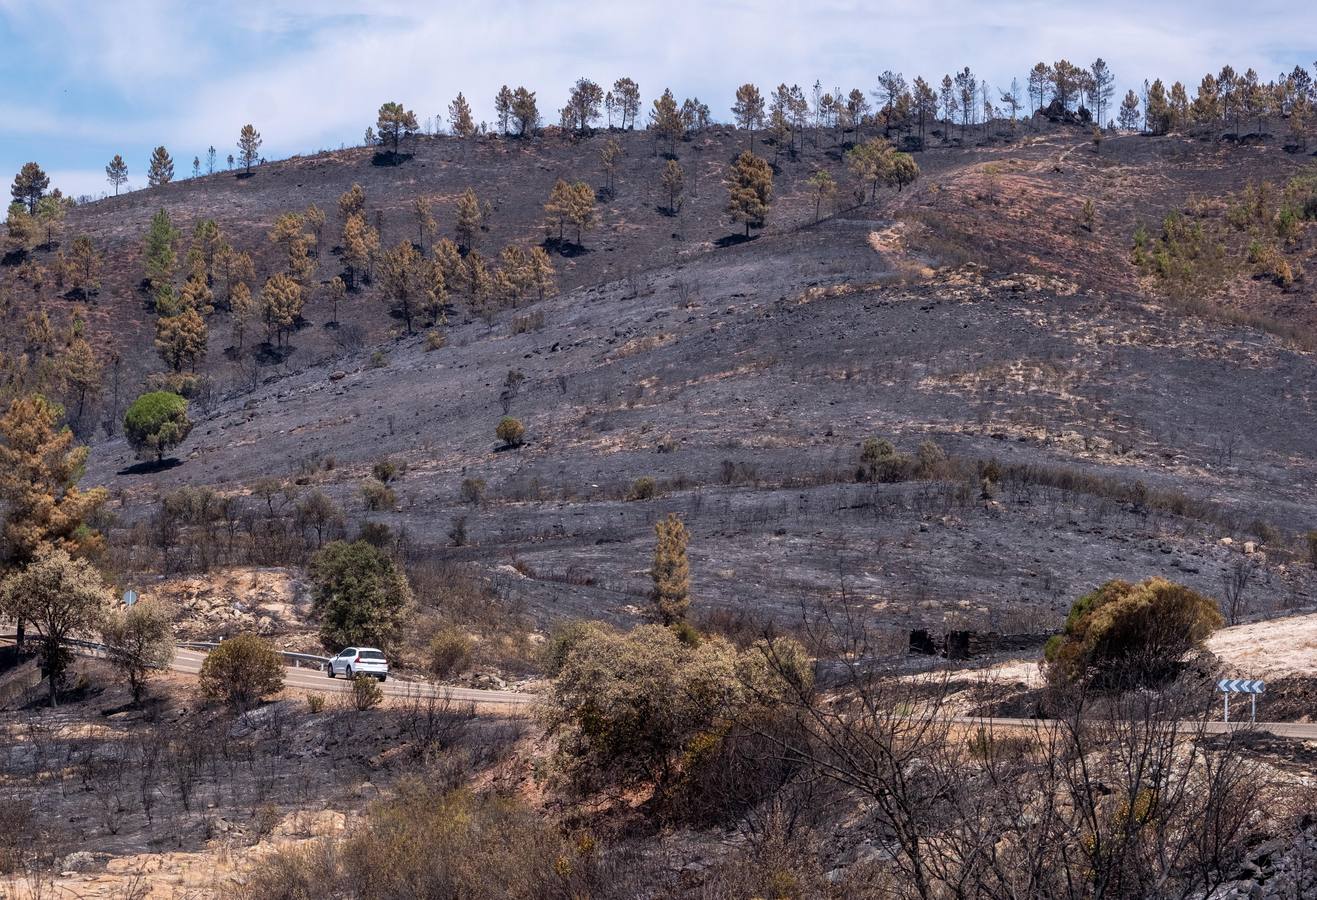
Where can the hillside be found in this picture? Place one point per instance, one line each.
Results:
(974, 310)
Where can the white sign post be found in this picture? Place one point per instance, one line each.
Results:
(1228, 686)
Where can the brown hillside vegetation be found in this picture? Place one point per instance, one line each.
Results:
(744, 493)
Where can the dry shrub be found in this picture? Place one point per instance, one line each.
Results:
(378, 497)
(1130, 635)
(366, 693)
(500, 628)
(17, 829)
(434, 843)
(449, 652)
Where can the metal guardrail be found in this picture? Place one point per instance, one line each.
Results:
(297, 660)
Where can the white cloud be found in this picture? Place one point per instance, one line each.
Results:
(312, 74)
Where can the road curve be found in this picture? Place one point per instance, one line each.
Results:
(189, 662)
(1306, 731)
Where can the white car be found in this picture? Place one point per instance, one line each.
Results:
(356, 661)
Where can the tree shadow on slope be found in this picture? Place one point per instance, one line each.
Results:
(151, 466)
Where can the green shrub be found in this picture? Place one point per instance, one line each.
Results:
(879, 461)
(449, 652)
(241, 671)
(1130, 635)
(384, 471)
(359, 595)
(644, 488)
(929, 459)
(435, 340)
(366, 693)
(378, 497)
(140, 639)
(315, 703)
(511, 432)
(156, 423)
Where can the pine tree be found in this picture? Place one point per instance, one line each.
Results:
(404, 277)
(395, 123)
(824, 188)
(84, 266)
(196, 167)
(181, 339)
(872, 163)
(1178, 107)
(116, 172)
(50, 217)
(243, 308)
(459, 117)
(39, 471)
(947, 98)
(608, 159)
(161, 168)
(626, 95)
(338, 292)
(1157, 112)
(352, 202)
(583, 103)
(1128, 117)
(671, 570)
(30, 186)
(281, 306)
(749, 189)
(469, 221)
(525, 113)
(673, 181)
(1102, 90)
(83, 373)
(748, 111)
(360, 243)
(666, 121)
(249, 146)
(542, 272)
(694, 115)
(1040, 77)
(570, 205)
(158, 251)
(423, 213)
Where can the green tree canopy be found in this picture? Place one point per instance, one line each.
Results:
(1130, 635)
(60, 596)
(156, 423)
(359, 594)
(749, 188)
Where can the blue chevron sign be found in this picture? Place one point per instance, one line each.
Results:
(1241, 686)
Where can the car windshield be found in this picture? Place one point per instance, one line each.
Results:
(371, 654)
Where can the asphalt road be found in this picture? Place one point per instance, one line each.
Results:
(189, 662)
(1306, 731)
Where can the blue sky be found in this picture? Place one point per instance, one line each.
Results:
(86, 80)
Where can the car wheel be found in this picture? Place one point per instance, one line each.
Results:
(347, 673)
(384, 678)
(329, 670)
